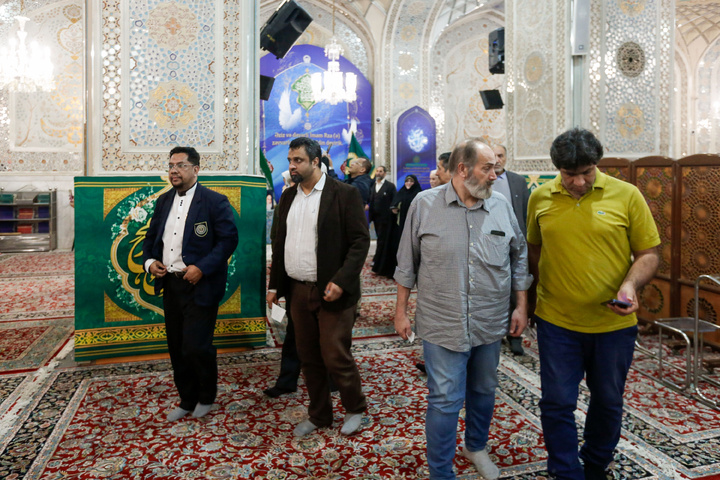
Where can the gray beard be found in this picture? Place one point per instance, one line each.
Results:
(476, 190)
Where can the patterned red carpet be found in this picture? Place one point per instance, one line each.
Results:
(37, 303)
(34, 297)
(67, 421)
(36, 264)
(31, 344)
(107, 422)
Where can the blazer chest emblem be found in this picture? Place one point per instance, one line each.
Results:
(201, 229)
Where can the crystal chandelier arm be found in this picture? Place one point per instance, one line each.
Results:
(23, 69)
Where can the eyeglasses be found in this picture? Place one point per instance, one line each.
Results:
(179, 166)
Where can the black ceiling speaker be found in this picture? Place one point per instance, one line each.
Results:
(491, 99)
(266, 84)
(496, 51)
(283, 28)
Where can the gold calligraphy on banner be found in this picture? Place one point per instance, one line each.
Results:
(141, 279)
(141, 276)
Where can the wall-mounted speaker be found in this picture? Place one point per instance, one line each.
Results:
(266, 84)
(283, 28)
(491, 99)
(580, 29)
(496, 51)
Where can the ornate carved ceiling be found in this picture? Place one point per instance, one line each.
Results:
(698, 19)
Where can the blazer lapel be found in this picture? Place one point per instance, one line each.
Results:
(165, 210)
(326, 199)
(192, 213)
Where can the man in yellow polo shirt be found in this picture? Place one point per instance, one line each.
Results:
(591, 238)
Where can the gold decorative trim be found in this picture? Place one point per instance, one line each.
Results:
(233, 194)
(113, 196)
(232, 305)
(132, 334)
(113, 313)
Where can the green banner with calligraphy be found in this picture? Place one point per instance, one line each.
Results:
(117, 313)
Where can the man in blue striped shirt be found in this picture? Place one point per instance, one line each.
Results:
(464, 249)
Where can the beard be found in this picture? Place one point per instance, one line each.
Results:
(296, 178)
(478, 190)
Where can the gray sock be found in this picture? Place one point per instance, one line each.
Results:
(177, 414)
(351, 423)
(201, 410)
(304, 428)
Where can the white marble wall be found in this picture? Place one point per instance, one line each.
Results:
(458, 71)
(537, 69)
(139, 101)
(629, 72)
(169, 73)
(41, 134)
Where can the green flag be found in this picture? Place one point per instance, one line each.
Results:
(266, 169)
(355, 150)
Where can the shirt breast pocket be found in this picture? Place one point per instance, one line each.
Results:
(495, 250)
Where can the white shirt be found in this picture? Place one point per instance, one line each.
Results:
(378, 185)
(174, 231)
(301, 239)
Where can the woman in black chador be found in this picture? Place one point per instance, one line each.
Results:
(386, 261)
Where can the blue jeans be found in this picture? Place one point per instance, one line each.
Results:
(565, 357)
(455, 378)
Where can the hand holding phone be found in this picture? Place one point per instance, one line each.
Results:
(617, 303)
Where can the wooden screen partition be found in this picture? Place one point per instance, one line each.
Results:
(698, 236)
(684, 198)
(616, 167)
(655, 177)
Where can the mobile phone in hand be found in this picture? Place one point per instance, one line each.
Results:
(617, 303)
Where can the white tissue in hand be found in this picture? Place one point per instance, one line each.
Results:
(278, 313)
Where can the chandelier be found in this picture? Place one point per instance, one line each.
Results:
(328, 86)
(24, 69)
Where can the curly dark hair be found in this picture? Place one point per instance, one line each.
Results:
(575, 149)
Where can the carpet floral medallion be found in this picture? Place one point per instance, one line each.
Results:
(31, 344)
(26, 298)
(40, 264)
(108, 422)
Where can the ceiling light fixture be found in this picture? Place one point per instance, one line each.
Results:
(24, 69)
(328, 86)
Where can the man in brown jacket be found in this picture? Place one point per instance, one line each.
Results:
(319, 250)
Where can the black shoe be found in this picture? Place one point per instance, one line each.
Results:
(421, 367)
(594, 472)
(516, 346)
(275, 392)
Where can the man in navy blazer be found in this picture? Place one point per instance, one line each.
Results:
(191, 236)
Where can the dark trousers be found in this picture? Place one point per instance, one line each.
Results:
(381, 230)
(565, 357)
(323, 340)
(289, 360)
(190, 329)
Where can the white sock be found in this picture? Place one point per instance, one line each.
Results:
(351, 423)
(201, 410)
(304, 428)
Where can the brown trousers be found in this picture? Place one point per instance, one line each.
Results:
(323, 343)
